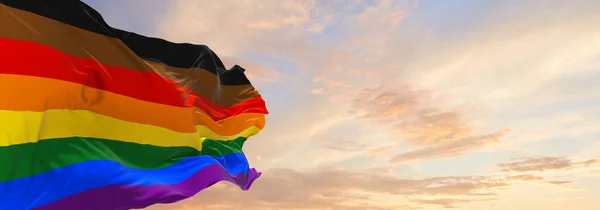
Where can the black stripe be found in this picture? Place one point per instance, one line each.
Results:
(182, 55)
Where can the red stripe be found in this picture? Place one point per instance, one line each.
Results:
(34, 59)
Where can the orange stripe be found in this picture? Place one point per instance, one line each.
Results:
(33, 59)
(28, 93)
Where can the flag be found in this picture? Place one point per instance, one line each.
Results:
(93, 117)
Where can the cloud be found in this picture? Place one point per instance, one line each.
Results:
(335, 88)
(525, 178)
(589, 163)
(331, 188)
(318, 90)
(231, 27)
(534, 178)
(340, 84)
(418, 116)
(559, 182)
(453, 149)
(344, 145)
(413, 113)
(541, 164)
(382, 150)
(318, 79)
(448, 202)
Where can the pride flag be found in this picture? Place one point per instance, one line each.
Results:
(93, 117)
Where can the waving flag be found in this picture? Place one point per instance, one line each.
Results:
(93, 117)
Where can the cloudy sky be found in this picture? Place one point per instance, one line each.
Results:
(404, 104)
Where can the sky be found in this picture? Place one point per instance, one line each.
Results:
(403, 104)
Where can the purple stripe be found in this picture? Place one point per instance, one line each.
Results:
(117, 197)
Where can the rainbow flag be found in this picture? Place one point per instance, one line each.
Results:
(93, 117)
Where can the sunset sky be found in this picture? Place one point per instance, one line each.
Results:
(403, 104)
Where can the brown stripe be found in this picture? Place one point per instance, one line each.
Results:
(22, 25)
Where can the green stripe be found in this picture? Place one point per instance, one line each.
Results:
(23, 160)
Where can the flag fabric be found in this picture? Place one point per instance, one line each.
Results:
(93, 117)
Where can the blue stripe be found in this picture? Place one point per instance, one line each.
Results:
(40, 189)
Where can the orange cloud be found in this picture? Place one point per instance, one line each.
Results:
(525, 178)
(382, 150)
(559, 182)
(540, 164)
(533, 178)
(318, 90)
(318, 79)
(453, 149)
(589, 163)
(448, 202)
(418, 116)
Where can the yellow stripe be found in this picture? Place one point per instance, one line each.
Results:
(72, 96)
(18, 127)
